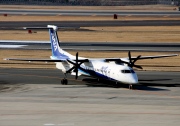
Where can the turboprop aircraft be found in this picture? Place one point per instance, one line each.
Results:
(114, 69)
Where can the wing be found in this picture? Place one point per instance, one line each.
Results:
(87, 60)
(35, 60)
(153, 57)
(46, 60)
(140, 58)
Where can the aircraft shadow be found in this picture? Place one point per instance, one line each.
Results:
(159, 84)
(91, 82)
(155, 79)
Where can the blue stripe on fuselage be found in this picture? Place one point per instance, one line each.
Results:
(95, 74)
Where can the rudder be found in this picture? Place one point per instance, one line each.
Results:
(55, 45)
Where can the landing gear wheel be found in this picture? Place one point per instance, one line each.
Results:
(130, 87)
(64, 81)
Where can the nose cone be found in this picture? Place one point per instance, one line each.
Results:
(134, 79)
(131, 79)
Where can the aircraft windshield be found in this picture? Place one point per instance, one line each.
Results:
(127, 71)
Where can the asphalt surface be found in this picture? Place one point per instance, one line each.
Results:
(89, 12)
(46, 76)
(93, 46)
(18, 25)
(36, 97)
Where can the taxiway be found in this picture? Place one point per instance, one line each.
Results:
(93, 46)
(36, 97)
(88, 12)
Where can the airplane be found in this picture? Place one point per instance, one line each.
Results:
(113, 69)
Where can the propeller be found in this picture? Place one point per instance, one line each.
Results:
(76, 65)
(131, 62)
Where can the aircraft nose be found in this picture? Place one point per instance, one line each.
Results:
(134, 79)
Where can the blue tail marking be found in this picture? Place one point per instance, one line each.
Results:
(55, 46)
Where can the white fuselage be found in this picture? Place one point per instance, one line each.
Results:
(103, 70)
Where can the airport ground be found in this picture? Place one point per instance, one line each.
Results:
(152, 34)
(35, 97)
(126, 8)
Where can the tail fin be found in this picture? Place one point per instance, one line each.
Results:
(57, 52)
(55, 44)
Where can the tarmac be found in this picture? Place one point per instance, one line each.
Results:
(35, 97)
(49, 12)
(93, 46)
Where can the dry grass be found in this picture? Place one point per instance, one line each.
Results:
(140, 7)
(163, 64)
(95, 34)
(60, 17)
(103, 34)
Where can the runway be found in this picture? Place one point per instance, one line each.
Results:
(36, 97)
(10, 25)
(88, 12)
(93, 46)
(53, 76)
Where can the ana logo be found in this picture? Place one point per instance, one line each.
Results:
(54, 42)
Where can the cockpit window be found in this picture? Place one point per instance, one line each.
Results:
(127, 71)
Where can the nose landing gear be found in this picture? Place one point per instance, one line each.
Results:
(130, 87)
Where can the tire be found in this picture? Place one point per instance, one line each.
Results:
(65, 81)
(62, 81)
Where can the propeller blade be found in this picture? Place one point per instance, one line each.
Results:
(132, 63)
(70, 69)
(76, 73)
(129, 55)
(77, 65)
(136, 59)
(71, 62)
(76, 57)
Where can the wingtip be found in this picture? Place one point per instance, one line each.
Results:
(175, 54)
(5, 59)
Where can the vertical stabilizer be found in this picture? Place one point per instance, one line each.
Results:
(57, 52)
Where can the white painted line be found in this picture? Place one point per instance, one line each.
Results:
(24, 41)
(49, 124)
(62, 124)
(66, 124)
(12, 46)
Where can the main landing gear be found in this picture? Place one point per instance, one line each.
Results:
(64, 81)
